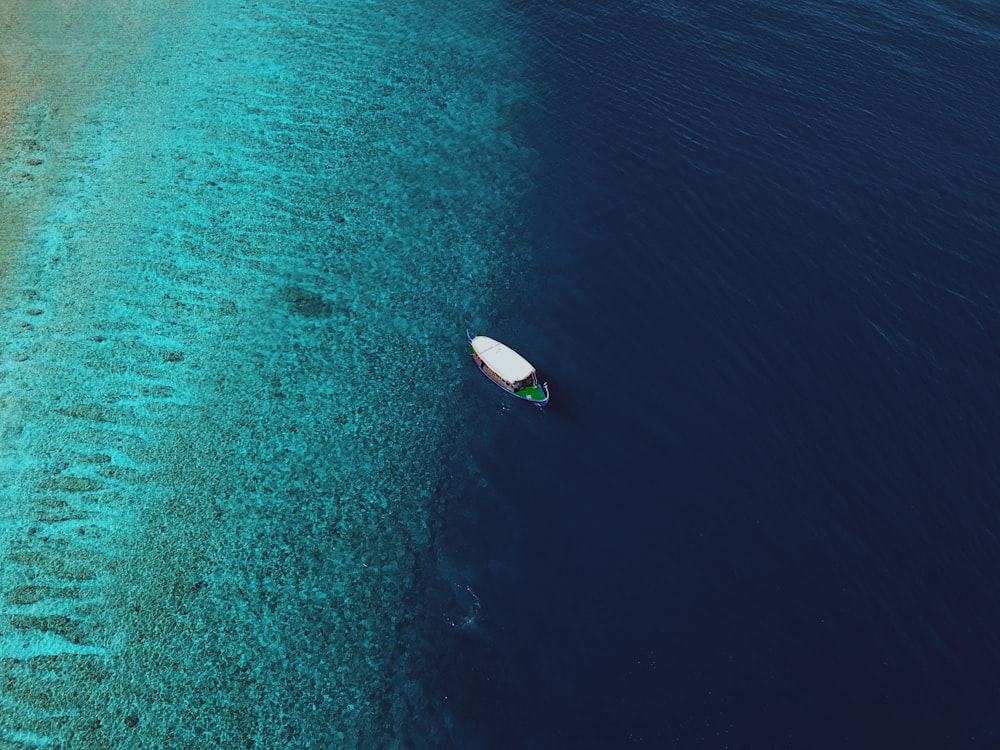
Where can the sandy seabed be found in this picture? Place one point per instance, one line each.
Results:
(239, 241)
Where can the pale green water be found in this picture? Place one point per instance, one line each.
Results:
(245, 264)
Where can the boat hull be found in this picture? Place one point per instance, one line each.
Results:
(536, 393)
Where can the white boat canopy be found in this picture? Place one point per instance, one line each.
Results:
(503, 360)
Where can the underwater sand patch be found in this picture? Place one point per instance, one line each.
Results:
(48, 691)
(51, 502)
(51, 563)
(306, 302)
(32, 594)
(52, 516)
(93, 412)
(74, 631)
(70, 483)
(120, 473)
(158, 391)
(96, 458)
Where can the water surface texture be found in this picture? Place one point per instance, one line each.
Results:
(255, 494)
(765, 511)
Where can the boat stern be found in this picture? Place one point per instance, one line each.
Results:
(535, 393)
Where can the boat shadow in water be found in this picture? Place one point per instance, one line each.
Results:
(563, 404)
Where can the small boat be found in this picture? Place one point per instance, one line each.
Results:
(508, 369)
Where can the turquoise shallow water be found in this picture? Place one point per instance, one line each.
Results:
(222, 383)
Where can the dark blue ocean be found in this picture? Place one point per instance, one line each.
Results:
(763, 508)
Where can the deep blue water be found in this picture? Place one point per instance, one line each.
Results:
(762, 509)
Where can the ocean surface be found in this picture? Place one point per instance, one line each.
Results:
(253, 492)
